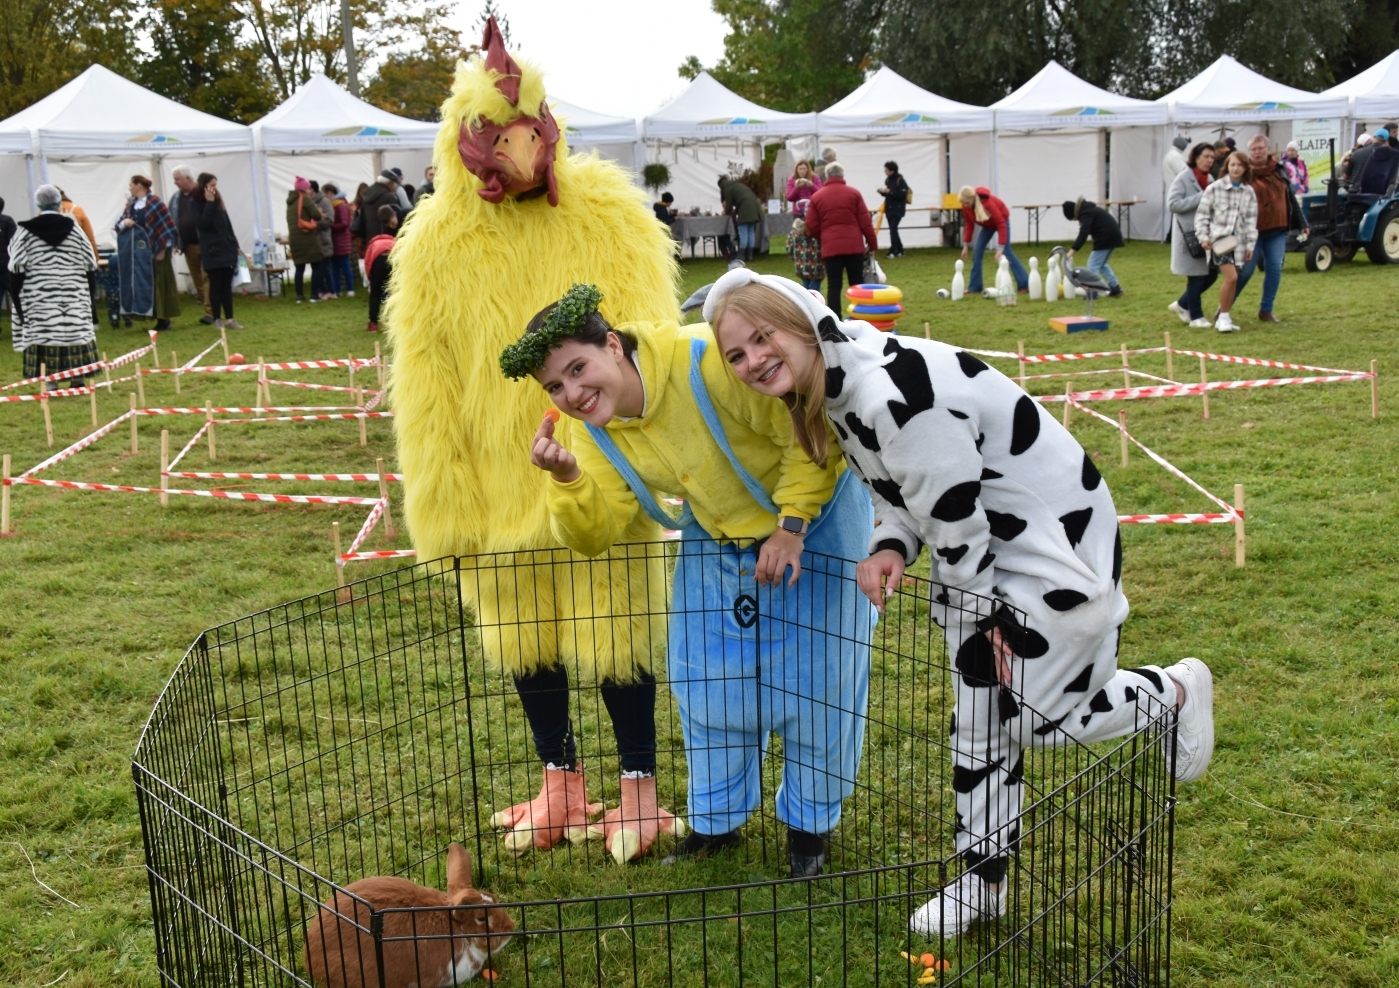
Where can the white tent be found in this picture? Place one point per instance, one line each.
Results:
(587, 130)
(1374, 93)
(1230, 91)
(93, 133)
(323, 132)
(708, 130)
(889, 118)
(1052, 144)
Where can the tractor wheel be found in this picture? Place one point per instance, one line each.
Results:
(1383, 248)
(1341, 253)
(1319, 255)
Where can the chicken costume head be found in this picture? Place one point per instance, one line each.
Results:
(514, 222)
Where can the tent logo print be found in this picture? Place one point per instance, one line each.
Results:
(152, 139)
(360, 132)
(1266, 105)
(732, 122)
(1082, 111)
(909, 117)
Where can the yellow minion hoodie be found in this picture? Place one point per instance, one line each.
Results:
(671, 449)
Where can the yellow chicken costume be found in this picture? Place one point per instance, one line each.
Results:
(514, 221)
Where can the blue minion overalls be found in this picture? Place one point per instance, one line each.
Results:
(744, 659)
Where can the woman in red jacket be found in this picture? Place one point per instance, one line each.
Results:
(988, 215)
(838, 217)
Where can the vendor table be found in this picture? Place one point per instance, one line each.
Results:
(1123, 208)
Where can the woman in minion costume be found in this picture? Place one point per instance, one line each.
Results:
(750, 648)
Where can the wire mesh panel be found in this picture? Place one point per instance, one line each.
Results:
(360, 733)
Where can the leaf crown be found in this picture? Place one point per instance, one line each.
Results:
(565, 319)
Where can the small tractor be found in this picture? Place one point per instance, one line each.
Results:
(1364, 215)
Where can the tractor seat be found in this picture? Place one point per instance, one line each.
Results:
(1377, 180)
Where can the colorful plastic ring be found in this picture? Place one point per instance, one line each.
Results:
(864, 309)
(878, 294)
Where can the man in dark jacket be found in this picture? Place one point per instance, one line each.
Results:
(895, 193)
(838, 217)
(7, 233)
(185, 207)
(383, 192)
(1096, 222)
(1278, 212)
(742, 204)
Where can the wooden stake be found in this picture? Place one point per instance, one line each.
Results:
(359, 400)
(134, 447)
(1021, 350)
(1239, 524)
(352, 370)
(339, 565)
(141, 385)
(1126, 369)
(1122, 425)
(43, 373)
(1374, 389)
(384, 493)
(927, 331)
(106, 370)
(164, 466)
(44, 400)
(379, 358)
(5, 497)
(261, 372)
(92, 400)
(223, 338)
(1170, 358)
(1068, 390)
(175, 366)
(1205, 380)
(155, 352)
(209, 418)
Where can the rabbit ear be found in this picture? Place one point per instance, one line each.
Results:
(458, 869)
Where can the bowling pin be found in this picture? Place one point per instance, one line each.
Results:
(1003, 279)
(959, 284)
(1036, 286)
(1051, 281)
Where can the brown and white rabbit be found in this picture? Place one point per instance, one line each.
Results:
(428, 949)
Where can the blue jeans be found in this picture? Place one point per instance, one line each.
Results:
(980, 241)
(813, 283)
(342, 276)
(747, 236)
(1098, 262)
(1196, 286)
(1272, 249)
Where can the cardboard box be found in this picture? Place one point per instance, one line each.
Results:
(1077, 324)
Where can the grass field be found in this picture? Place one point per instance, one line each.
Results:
(1285, 854)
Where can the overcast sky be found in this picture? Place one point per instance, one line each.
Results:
(612, 56)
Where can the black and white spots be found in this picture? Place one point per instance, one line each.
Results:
(830, 332)
(1076, 523)
(835, 381)
(1080, 683)
(969, 364)
(1025, 425)
(1065, 600)
(1089, 475)
(1005, 526)
(957, 502)
(953, 554)
(966, 779)
(889, 490)
(909, 373)
(868, 437)
(1117, 557)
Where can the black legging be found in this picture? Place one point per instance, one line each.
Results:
(220, 292)
(378, 285)
(632, 708)
(315, 277)
(851, 265)
(896, 245)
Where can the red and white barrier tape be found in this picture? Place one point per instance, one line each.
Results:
(1193, 390)
(353, 557)
(85, 370)
(318, 387)
(60, 393)
(1259, 362)
(308, 418)
(78, 485)
(371, 478)
(78, 446)
(198, 435)
(360, 363)
(368, 526)
(238, 409)
(1177, 519)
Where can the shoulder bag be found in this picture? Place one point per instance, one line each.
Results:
(302, 223)
(1191, 242)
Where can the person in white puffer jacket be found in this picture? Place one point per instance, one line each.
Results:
(1229, 211)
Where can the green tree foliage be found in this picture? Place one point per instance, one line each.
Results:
(200, 57)
(1375, 33)
(45, 43)
(414, 80)
(794, 55)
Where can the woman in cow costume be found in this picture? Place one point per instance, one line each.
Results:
(1020, 528)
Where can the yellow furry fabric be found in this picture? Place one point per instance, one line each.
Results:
(467, 277)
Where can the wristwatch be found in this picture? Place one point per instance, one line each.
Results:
(794, 525)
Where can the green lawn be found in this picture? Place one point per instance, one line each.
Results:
(1285, 860)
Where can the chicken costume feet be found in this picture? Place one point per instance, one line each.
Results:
(560, 811)
(631, 829)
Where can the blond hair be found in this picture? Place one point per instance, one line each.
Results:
(767, 308)
(969, 197)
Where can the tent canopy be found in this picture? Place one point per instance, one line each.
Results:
(1056, 99)
(887, 104)
(588, 128)
(100, 113)
(1229, 90)
(707, 111)
(321, 116)
(1375, 91)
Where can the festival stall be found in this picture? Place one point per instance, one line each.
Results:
(323, 132)
(938, 143)
(1056, 137)
(1373, 96)
(707, 131)
(1228, 99)
(91, 135)
(611, 137)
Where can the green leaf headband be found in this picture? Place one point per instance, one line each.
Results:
(526, 355)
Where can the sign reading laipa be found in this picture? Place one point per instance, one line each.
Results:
(1314, 138)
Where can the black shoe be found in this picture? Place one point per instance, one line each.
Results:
(161, 325)
(806, 853)
(699, 845)
(1116, 292)
(207, 320)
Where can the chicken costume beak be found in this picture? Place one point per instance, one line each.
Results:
(519, 153)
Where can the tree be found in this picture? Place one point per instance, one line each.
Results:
(794, 55)
(1373, 35)
(44, 44)
(416, 77)
(200, 57)
(296, 38)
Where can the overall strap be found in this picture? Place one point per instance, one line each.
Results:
(716, 429)
(643, 494)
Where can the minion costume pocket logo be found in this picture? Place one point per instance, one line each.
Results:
(745, 610)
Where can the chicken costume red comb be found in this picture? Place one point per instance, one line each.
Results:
(510, 157)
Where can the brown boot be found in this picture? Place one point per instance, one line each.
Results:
(1268, 317)
(561, 810)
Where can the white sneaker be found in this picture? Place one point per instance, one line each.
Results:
(1180, 311)
(1194, 733)
(1201, 323)
(1224, 324)
(350, 293)
(956, 907)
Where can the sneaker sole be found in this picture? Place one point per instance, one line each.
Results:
(1199, 690)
